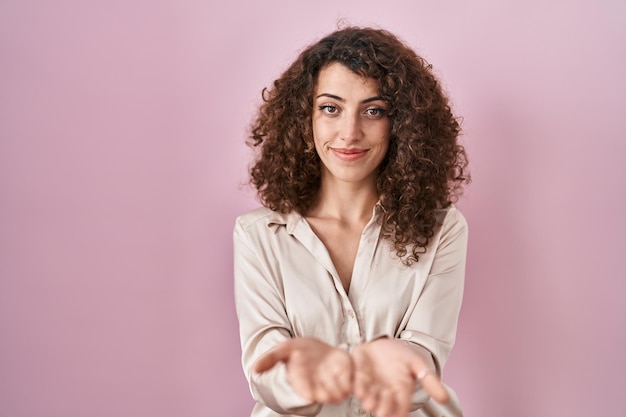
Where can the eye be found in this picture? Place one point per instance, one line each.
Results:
(328, 109)
(375, 112)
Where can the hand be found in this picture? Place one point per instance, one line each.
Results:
(317, 371)
(385, 374)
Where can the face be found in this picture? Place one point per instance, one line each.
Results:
(350, 125)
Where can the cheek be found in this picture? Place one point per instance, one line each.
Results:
(383, 136)
(386, 145)
(382, 131)
(317, 142)
(384, 149)
(320, 133)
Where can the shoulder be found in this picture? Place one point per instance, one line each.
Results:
(260, 218)
(452, 217)
(246, 220)
(453, 225)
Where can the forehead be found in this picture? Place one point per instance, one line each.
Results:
(338, 79)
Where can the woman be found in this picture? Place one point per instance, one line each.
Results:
(349, 279)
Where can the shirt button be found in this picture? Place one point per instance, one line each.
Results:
(362, 411)
(406, 335)
(351, 314)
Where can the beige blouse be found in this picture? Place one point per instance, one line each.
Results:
(286, 286)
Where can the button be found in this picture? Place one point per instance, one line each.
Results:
(351, 313)
(407, 334)
(362, 412)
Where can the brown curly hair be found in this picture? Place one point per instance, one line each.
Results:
(425, 166)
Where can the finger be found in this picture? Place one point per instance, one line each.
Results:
(303, 385)
(327, 391)
(337, 384)
(267, 361)
(386, 404)
(403, 402)
(433, 386)
(363, 378)
(370, 399)
(340, 373)
(344, 382)
(369, 394)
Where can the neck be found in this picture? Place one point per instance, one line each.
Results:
(350, 202)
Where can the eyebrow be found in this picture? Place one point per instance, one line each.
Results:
(367, 100)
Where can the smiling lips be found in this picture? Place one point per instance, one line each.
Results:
(351, 154)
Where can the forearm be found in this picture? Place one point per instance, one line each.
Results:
(262, 326)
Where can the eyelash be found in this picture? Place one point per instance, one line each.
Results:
(379, 111)
(326, 107)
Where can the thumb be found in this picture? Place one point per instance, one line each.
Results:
(267, 361)
(431, 384)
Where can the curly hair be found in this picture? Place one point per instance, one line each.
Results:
(425, 166)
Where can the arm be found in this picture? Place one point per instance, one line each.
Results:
(263, 325)
(431, 326)
(286, 373)
(388, 368)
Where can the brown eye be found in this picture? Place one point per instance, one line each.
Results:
(328, 108)
(375, 112)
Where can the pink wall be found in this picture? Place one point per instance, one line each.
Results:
(121, 153)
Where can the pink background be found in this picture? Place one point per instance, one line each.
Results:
(121, 157)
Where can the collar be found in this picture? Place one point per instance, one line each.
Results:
(292, 219)
(289, 220)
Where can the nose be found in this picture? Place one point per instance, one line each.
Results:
(351, 129)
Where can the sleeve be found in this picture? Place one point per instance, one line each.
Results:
(433, 322)
(431, 327)
(263, 324)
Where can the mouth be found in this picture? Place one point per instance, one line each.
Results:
(349, 154)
